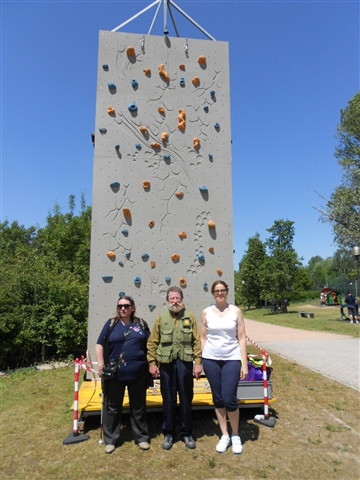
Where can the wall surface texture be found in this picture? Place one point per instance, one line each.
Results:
(162, 200)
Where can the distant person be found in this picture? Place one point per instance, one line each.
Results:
(174, 355)
(285, 304)
(356, 311)
(127, 336)
(350, 303)
(223, 345)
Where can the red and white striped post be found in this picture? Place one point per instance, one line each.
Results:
(75, 437)
(266, 397)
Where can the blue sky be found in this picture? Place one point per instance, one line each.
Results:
(293, 66)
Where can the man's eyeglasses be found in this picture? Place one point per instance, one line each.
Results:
(126, 306)
(217, 292)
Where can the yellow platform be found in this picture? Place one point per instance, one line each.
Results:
(90, 396)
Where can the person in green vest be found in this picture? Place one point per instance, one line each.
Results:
(174, 356)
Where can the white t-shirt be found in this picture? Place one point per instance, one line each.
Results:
(221, 342)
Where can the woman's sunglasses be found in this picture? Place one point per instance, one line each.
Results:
(126, 306)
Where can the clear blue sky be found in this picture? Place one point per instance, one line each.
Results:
(293, 66)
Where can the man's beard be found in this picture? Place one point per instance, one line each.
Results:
(176, 308)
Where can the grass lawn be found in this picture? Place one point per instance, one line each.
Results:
(316, 435)
(326, 319)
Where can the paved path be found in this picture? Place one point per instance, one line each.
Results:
(334, 356)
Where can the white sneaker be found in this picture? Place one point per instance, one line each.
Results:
(223, 444)
(236, 444)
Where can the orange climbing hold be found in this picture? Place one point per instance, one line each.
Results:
(164, 136)
(182, 67)
(111, 110)
(163, 73)
(127, 213)
(155, 145)
(147, 71)
(182, 282)
(175, 257)
(219, 272)
(196, 143)
(152, 264)
(130, 52)
(202, 60)
(161, 110)
(181, 119)
(179, 194)
(211, 224)
(211, 249)
(144, 130)
(195, 81)
(146, 184)
(111, 254)
(151, 223)
(182, 235)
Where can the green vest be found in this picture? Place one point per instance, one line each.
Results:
(175, 343)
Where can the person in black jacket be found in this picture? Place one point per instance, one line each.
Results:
(350, 303)
(128, 336)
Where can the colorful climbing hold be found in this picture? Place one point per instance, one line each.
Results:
(146, 184)
(152, 264)
(163, 73)
(182, 67)
(151, 223)
(117, 146)
(206, 109)
(168, 279)
(111, 86)
(219, 272)
(138, 146)
(115, 185)
(161, 110)
(107, 279)
(202, 60)
(195, 81)
(211, 249)
(211, 224)
(182, 282)
(182, 234)
(134, 83)
(182, 82)
(110, 110)
(181, 119)
(105, 67)
(147, 71)
(130, 52)
(211, 156)
(144, 130)
(137, 280)
(203, 189)
(201, 257)
(205, 286)
(145, 256)
(175, 257)
(128, 255)
(127, 213)
(179, 194)
(212, 93)
(125, 232)
(155, 145)
(132, 107)
(121, 264)
(217, 125)
(167, 157)
(111, 255)
(102, 130)
(164, 136)
(196, 142)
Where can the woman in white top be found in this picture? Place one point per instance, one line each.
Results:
(224, 355)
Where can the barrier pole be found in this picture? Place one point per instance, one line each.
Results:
(75, 437)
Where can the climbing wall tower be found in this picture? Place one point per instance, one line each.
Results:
(162, 201)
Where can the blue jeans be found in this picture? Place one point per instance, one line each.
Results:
(223, 377)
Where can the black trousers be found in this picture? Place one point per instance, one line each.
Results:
(177, 377)
(112, 410)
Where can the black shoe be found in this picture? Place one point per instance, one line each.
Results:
(168, 442)
(189, 442)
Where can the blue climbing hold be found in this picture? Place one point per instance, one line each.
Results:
(203, 189)
(107, 279)
(121, 264)
(205, 286)
(122, 294)
(106, 67)
(145, 256)
(115, 185)
(125, 232)
(132, 107)
(201, 257)
(168, 279)
(206, 109)
(138, 146)
(217, 125)
(117, 146)
(212, 93)
(102, 130)
(182, 82)
(134, 83)
(211, 156)
(166, 157)
(137, 280)
(128, 255)
(112, 86)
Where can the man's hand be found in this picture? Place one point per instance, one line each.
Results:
(154, 371)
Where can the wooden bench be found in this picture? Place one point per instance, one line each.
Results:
(306, 315)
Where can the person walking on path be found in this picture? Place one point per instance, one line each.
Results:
(350, 303)
(224, 354)
(127, 336)
(174, 355)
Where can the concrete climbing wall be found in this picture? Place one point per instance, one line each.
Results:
(162, 201)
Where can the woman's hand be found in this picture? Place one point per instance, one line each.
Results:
(154, 371)
(244, 372)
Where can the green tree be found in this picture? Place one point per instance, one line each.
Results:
(248, 279)
(280, 266)
(342, 210)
